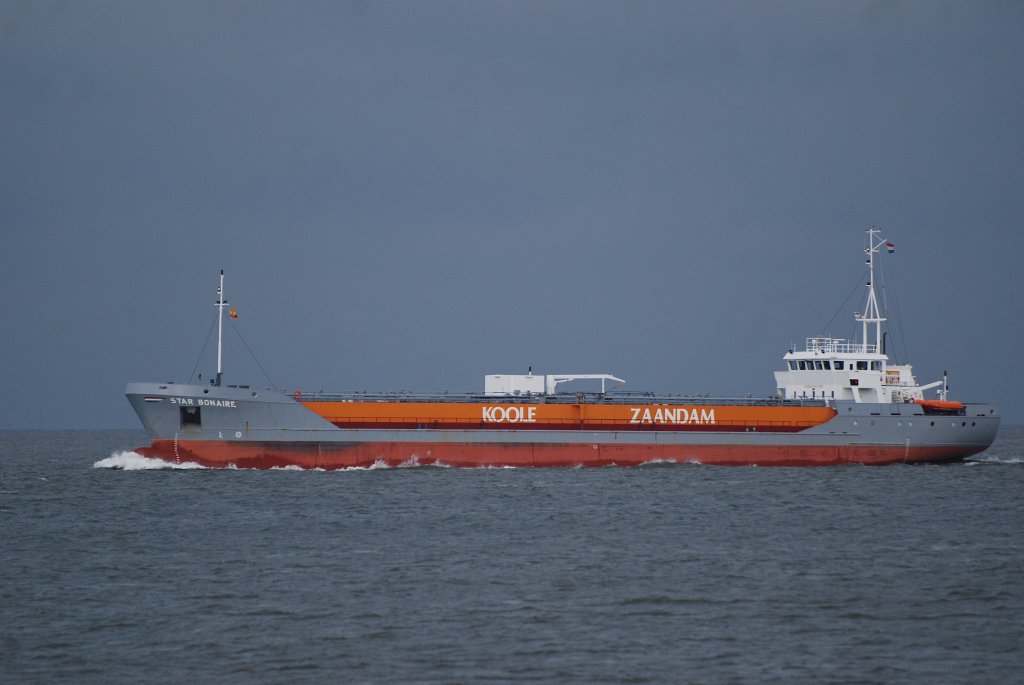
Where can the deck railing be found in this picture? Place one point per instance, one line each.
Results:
(617, 398)
(838, 346)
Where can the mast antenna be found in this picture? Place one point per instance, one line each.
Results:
(220, 304)
(871, 312)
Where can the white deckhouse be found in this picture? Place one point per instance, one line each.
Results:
(834, 369)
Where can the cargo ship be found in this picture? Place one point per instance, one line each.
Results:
(835, 402)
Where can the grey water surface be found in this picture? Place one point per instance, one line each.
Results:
(120, 569)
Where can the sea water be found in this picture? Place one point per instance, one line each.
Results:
(116, 568)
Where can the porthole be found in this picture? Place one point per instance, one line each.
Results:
(964, 424)
(206, 391)
(933, 423)
(972, 424)
(899, 423)
(855, 423)
(910, 423)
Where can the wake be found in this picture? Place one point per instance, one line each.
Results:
(995, 459)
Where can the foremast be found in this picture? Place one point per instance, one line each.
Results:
(220, 304)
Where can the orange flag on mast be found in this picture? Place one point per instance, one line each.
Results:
(233, 313)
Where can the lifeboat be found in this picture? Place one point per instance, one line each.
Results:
(940, 406)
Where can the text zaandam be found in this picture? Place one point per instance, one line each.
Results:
(638, 415)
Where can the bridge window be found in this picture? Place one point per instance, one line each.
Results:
(876, 366)
(862, 366)
(839, 365)
(817, 365)
(803, 366)
(792, 365)
(828, 365)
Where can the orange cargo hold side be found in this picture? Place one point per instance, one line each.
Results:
(569, 416)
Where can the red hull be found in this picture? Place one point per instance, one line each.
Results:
(351, 455)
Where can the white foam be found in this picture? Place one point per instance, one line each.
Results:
(997, 460)
(378, 464)
(133, 461)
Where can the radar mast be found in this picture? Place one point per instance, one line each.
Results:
(871, 313)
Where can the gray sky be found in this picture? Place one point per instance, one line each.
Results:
(410, 195)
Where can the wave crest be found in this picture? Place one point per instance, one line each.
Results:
(133, 461)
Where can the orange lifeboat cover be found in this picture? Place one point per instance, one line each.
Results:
(940, 404)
